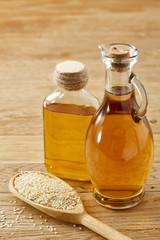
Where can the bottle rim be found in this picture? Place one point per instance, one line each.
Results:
(105, 53)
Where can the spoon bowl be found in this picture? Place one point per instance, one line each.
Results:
(76, 215)
(66, 215)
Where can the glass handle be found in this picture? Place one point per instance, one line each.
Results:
(142, 93)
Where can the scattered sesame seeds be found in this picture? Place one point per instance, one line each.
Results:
(46, 190)
(20, 217)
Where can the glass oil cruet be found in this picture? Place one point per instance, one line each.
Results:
(119, 145)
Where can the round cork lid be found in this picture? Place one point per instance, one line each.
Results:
(119, 51)
(71, 75)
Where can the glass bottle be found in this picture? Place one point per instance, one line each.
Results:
(119, 145)
(67, 114)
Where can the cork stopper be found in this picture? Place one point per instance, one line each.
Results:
(71, 75)
(119, 53)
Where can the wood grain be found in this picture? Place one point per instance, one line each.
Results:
(131, 221)
(34, 36)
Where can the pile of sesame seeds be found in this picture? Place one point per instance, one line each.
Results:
(15, 215)
(46, 190)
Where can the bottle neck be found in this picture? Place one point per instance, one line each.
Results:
(117, 82)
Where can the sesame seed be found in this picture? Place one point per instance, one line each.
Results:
(55, 232)
(46, 190)
(74, 225)
(2, 226)
(80, 228)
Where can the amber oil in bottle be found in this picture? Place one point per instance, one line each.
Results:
(124, 148)
(119, 146)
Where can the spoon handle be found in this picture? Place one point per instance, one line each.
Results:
(101, 228)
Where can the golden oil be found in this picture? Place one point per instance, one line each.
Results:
(65, 128)
(119, 149)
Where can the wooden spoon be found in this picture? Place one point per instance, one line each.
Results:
(77, 215)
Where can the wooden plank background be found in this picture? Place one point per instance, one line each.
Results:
(34, 36)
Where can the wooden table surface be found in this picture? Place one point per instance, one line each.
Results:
(34, 36)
